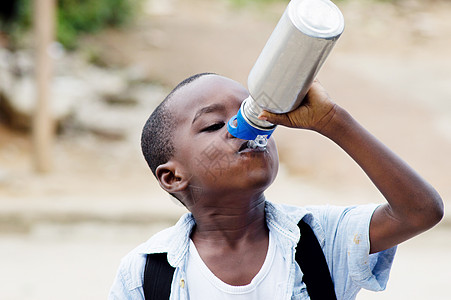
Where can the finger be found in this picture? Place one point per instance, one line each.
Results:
(277, 119)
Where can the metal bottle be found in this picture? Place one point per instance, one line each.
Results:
(287, 65)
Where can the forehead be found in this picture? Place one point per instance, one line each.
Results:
(205, 91)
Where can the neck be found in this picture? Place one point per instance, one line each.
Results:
(230, 220)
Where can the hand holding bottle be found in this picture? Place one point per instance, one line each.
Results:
(314, 113)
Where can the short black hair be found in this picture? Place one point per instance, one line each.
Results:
(156, 138)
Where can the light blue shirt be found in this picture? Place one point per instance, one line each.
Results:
(343, 233)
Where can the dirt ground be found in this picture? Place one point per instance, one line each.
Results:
(390, 69)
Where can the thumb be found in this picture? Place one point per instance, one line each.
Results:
(276, 119)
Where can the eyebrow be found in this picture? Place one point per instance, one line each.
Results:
(208, 109)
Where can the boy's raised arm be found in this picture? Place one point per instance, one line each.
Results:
(413, 204)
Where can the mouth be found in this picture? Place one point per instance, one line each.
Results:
(244, 148)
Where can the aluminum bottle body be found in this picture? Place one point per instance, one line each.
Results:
(291, 58)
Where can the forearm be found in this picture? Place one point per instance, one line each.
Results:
(413, 203)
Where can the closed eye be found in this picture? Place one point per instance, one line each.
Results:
(213, 127)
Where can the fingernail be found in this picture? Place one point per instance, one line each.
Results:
(263, 118)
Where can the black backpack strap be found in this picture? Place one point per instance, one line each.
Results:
(310, 258)
(158, 275)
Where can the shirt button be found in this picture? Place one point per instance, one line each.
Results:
(182, 283)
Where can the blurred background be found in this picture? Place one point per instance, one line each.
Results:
(76, 194)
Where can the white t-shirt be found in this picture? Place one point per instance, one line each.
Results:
(269, 283)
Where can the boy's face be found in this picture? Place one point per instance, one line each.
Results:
(213, 160)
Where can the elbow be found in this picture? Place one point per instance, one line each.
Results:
(438, 211)
(432, 213)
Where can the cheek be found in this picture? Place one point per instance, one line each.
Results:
(214, 163)
(273, 167)
(206, 161)
(274, 154)
(275, 164)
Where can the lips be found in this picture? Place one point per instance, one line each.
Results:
(244, 148)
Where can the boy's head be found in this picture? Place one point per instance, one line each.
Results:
(186, 144)
(156, 139)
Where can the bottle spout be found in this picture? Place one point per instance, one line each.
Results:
(259, 142)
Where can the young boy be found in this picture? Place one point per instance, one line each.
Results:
(234, 244)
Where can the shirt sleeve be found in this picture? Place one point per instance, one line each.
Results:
(118, 289)
(345, 231)
(128, 281)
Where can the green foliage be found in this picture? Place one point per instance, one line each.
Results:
(16, 20)
(76, 17)
(86, 16)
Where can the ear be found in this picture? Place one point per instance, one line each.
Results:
(170, 178)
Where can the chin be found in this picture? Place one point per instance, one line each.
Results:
(260, 179)
(246, 175)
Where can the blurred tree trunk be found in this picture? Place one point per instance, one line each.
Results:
(43, 124)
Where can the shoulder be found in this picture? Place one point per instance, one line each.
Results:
(330, 216)
(131, 268)
(325, 220)
(280, 211)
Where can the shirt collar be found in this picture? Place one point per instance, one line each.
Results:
(281, 218)
(285, 218)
